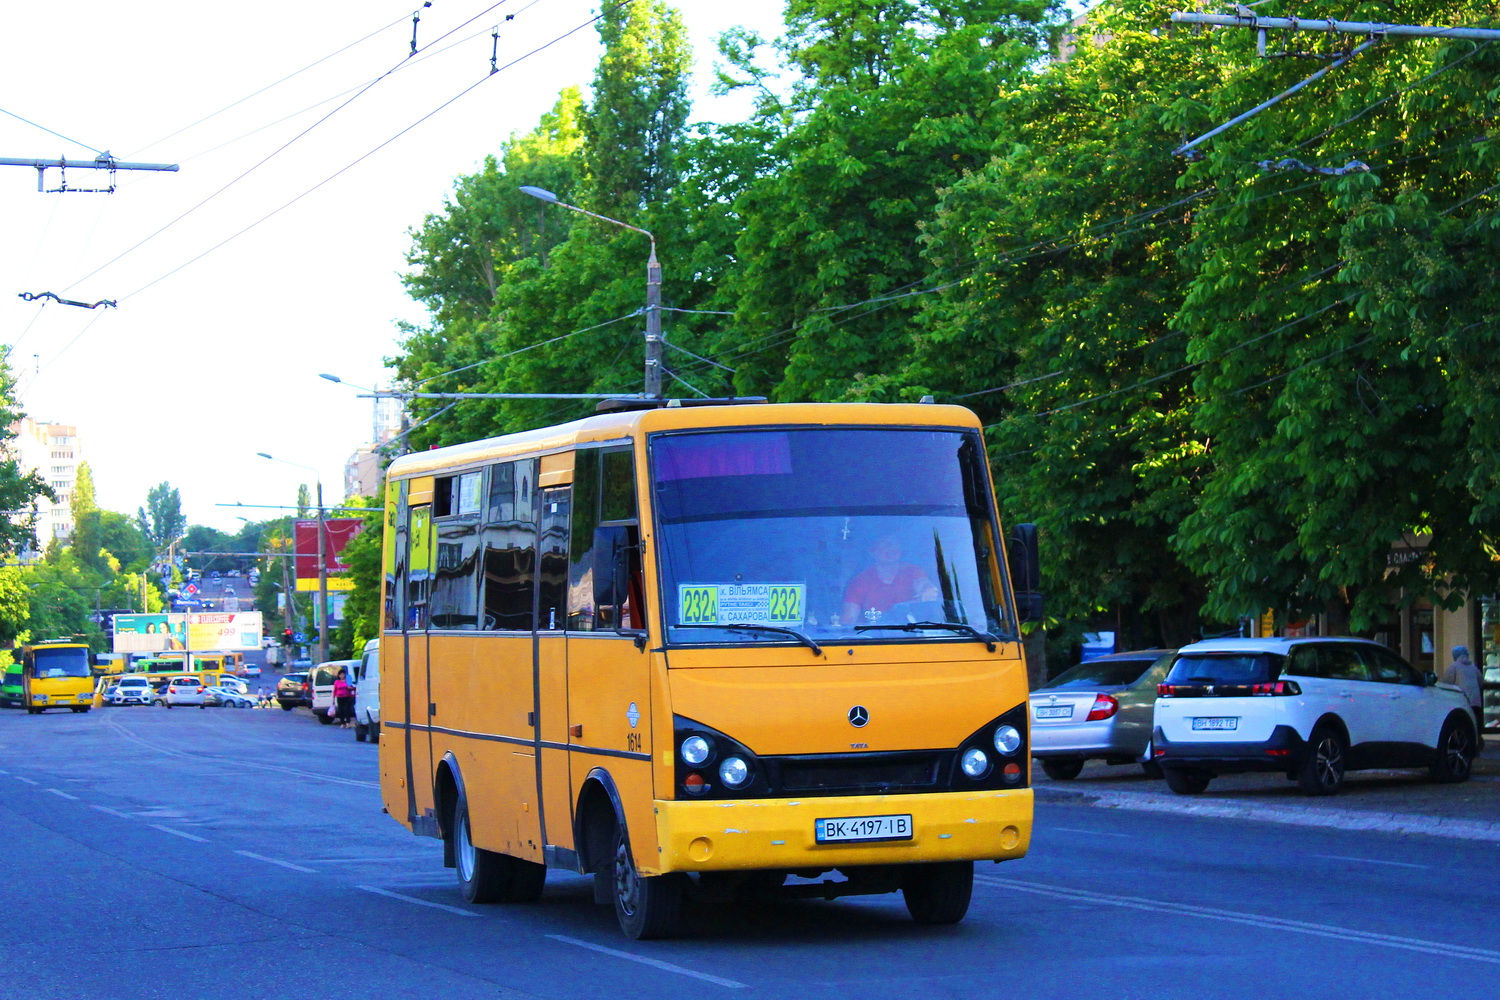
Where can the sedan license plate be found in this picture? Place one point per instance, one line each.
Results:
(1221, 722)
(857, 828)
(1054, 712)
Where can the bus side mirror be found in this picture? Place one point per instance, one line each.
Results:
(1025, 562)
(611, 566)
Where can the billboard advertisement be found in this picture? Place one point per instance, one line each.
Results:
(155, 633)
(339, 531)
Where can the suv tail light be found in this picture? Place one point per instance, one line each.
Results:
(1104, 707)
(1277, 688)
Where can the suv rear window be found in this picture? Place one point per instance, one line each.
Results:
(1101, 673)
(1225, 668)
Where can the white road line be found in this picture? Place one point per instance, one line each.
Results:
(1091, 833)
(1348, 934)
(112, 812)
(369, 861)
(27, 780)
(1370, 861)
(655, 963)
(179, 833)
(62, 794)
(274, 861)
(413, 899)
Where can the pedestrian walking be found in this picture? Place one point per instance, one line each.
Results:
(343, 700)
(1463, 673)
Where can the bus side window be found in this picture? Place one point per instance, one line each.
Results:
(418, 566)
(603, 494)
(394, 554)
(553, 586)
(455, 570)
(508, 548)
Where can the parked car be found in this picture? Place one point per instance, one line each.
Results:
(293, 690)
(130, 691)
(1098, 710)
(228, 697)
(322, 677)
(251, 670)
(1313, 708)
(367, 694)
(184, 691)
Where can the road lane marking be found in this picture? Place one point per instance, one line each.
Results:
(413, 899)
(1370, 861)
(179, 833)
(274, 861)
(113, 812)
(1091, 833)
(1348, 934)
(369, 861)
(27, 780)
(655, 963)
(62, 794)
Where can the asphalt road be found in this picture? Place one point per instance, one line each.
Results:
(243, 853)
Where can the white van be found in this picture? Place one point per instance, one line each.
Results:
(367, 694)
(321, 679)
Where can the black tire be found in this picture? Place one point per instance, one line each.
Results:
(482, 875)
(647, 907)
(1455, 752)
(33, 711)
(1062, 769)
(1152, 769)
(374, 732)
(938, 893)
(287, 708)
(360, 732)
(1186, 780)
(1322, 772)
(527, 879)
(76, 709)
(325, 719)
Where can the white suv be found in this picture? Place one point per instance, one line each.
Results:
(1313, 708)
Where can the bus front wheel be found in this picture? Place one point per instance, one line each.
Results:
(647, 907)
(939, 892)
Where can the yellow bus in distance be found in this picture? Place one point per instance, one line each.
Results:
(50, 675)
(709, 651)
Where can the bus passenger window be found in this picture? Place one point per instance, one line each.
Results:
(507, 546)
(418, 566)
(603, 493)
(455, 581)
(553, 587)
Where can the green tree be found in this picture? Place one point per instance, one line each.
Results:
(19, 490)
(162, 520)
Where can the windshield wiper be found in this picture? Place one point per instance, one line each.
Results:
(967, 629)
(758, 627)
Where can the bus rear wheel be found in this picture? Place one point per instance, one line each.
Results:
(482, 875)
(647, 907)
(939, 892)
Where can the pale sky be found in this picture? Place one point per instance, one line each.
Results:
(214, 351)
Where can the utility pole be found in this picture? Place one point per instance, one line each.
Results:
(103, 162)
(322, 579)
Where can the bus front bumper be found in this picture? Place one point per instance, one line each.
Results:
(751, 834)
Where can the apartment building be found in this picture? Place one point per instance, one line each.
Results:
(54, 450)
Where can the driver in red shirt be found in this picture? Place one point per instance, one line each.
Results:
(887, 582)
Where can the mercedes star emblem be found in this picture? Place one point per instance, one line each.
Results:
(858, 716)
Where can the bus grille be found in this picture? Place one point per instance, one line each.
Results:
(833, 774)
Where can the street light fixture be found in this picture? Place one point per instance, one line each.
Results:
(322, 558)
(653, 286)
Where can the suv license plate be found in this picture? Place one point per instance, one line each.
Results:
(856, 828)
(1231, 722)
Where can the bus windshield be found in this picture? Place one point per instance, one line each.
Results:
(66, 661)
(818, 534)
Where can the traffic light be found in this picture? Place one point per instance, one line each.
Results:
(286, 637)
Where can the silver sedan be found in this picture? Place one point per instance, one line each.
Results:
(1098, 710)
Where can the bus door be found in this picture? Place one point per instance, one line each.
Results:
(418, 681)
(609, 679)
(555, 786)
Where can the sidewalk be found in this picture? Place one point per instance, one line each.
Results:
(1389, 801)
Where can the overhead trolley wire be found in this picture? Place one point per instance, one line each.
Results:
(44, 128)
(269, 86)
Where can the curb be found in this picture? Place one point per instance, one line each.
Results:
(1336, 819)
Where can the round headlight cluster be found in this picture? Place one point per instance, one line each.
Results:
(975, 763)
(1007, 739)
(734, 772)
(696, 750)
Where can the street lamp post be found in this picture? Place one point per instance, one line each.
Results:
(322, 613)
(653, 287)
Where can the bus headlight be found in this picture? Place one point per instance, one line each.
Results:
(1007, 739)
(734, 772)
(975, 764)
(696, 750)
